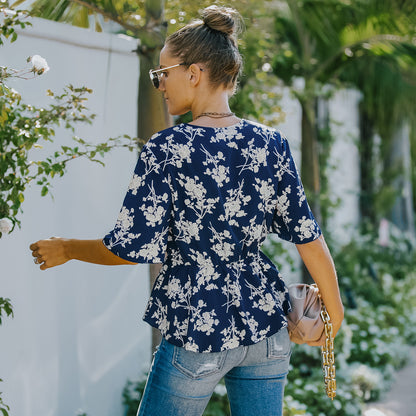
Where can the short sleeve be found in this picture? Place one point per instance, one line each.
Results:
(141, 231)
(293, 219)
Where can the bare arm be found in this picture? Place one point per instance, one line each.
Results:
(318, 261)
(55, 251)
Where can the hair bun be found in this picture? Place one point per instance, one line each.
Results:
(222, 19)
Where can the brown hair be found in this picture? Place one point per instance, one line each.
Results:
(211, 41)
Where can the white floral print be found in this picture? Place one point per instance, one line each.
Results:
(122, 235)
(254, 156)
(306, 229)
(301, 195)
(234, 203)
(202, 201)
(154, 212)
(219, 172)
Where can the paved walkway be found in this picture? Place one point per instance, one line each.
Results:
(401, 399)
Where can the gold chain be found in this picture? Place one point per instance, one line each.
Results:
(214, 115)
(328, 356)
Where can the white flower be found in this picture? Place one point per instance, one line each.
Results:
(365, 379)
(39, 64)
(220, 390)
(5, 225)
(15, 94)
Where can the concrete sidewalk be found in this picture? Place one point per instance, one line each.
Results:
(401, 399)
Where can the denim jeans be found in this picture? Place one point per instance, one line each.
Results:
(181, 382)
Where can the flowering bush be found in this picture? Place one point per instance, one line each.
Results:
(26, 128)
(9, 19)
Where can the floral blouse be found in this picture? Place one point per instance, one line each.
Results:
(201, 201)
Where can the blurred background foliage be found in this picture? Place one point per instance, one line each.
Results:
(315, 47)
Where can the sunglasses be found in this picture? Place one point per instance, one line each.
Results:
(155, 74)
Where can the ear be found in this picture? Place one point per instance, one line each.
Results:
(194, 74)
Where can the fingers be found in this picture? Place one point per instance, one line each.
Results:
(39, 254)
(316, 343)
(43, 264)
(35, 253)
(321, 342)
(34, 246)
(48, 253)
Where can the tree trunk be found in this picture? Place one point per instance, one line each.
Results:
(152, 117)
(310, 158)
(367, 168)
(310, 164)
(152, 111)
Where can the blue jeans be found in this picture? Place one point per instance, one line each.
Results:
(181, 382)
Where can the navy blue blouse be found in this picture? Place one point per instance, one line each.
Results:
(202, 200)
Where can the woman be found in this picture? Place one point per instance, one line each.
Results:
(203, 197)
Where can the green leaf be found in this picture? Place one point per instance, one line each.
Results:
(44, 191)
(81, 18)
(98, 27)
(17, 3)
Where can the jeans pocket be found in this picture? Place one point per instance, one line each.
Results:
(279, 345)
(198, 365)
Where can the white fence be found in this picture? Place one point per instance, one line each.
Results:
(77, 334)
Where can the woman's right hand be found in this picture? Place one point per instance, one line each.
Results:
(55, 251)
(50, 252)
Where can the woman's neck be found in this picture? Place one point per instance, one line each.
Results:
(211, 109)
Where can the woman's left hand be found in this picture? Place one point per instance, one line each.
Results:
(321, 342)
(318, 261)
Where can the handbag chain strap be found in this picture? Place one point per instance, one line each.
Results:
(328, 356)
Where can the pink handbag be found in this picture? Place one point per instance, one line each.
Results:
(305, 322)
(309, 321)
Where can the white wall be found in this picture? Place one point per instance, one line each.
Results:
(344, 177)
(77, 334)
